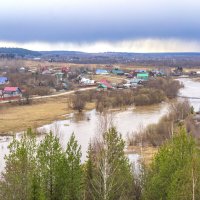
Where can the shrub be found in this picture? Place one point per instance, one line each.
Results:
(77, 102)
(168, 85)
(148, 96)
(156, 134)
(41, 91)
(141, 99)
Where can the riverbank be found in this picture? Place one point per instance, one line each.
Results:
(46, 109)
(18, 118)
(15, 118)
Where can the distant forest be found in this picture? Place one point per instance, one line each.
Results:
(17, 52)
(108, 58)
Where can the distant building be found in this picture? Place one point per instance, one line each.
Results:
(22, 69)
(86, 81)
(135, 81)
(12, 92)
(101, 72)
(156, 73)
(143, 75)
(117, 72)
(59, 76)
(3, 80)
(37, 58)
(105, 84)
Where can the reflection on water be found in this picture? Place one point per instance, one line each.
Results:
(77, 117)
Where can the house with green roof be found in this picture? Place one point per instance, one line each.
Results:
(143, 75)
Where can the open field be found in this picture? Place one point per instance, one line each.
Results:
(19, 118)
(37, 64)
(116, 79)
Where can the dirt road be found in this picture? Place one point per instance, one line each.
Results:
(51, 96)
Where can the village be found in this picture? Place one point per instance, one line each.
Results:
(27, 82)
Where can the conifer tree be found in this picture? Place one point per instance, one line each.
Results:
(175, 171)
(51, 168)
(74, 175)
(16, 180)
(89, 174)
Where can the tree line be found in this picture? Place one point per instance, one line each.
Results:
(45, 171)
(153, 91)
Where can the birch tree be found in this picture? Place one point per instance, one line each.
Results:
(113, 177)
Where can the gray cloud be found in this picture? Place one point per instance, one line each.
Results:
(95, 20)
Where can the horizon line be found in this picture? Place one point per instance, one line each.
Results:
(64, 50)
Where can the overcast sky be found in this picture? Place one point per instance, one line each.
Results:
(101, 25)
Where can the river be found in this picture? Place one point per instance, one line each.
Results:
(88, 125)
(191, 89)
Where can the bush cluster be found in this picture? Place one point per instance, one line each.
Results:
(156, 134)
(153, 92)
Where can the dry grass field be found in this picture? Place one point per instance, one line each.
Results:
(19, 118)
(113, 79)
(37, 64)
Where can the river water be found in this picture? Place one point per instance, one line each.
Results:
(191, 89)
(90, 124)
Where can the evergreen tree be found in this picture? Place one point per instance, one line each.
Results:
(51, 168)
(174, 173)
(74, 176)
(16, 180)
(89, 174)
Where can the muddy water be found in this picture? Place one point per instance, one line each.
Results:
(90, 124)
(191, 89)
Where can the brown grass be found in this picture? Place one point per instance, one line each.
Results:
(191, 69)
(147, 153)
(38, 64)
(113, 79)
(19, 118)
(134, 67)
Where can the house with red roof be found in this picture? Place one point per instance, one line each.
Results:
(12, 92)
(103, 83)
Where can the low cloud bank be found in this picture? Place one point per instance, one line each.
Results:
(140, 46)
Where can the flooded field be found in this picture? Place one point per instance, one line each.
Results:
(90, 124)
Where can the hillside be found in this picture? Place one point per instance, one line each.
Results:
(18, 52)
